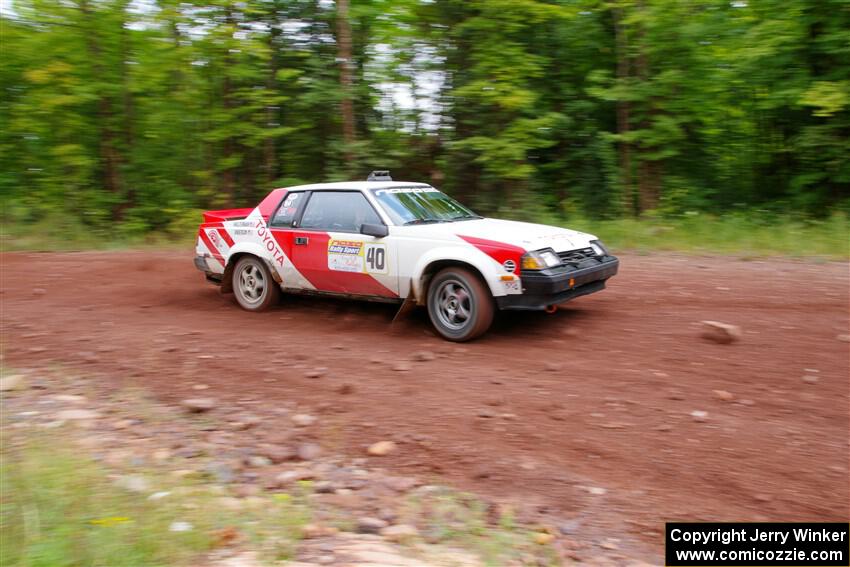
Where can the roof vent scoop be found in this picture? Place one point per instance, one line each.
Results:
(379, 175)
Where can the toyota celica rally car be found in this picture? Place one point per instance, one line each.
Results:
(402, 242)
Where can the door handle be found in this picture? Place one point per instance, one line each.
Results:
(301, 240)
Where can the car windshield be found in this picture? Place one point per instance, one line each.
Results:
(421, 205)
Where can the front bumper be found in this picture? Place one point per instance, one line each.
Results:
(557, 285)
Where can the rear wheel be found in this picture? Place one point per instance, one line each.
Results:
(253, 285)
(459, 304)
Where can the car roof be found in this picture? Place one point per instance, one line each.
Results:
(356, 185)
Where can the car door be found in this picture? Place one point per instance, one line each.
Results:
(281, 225)
(331, 253)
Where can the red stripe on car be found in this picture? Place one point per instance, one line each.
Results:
(311, 261)
(499, 251)
(226, 236)
(213, 250)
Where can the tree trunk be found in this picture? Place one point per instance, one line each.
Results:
(624, 113)
(228, 147)
(649, 171)
(343, 40)
(270, 147)
(649, 184)
(110, 157)
(128, 106)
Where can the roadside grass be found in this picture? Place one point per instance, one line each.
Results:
(57, 233)
(736, 235)
(60, 508)
(743, 235)
(462, 519)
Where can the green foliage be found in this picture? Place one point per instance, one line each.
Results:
(745, 234)
(120, 117)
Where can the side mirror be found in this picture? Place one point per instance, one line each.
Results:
(376, 230)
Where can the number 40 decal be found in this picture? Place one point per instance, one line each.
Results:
(376, 258)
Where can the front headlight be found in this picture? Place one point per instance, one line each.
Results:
(540, 260)
(598, 248)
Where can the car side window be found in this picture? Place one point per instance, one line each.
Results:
(286, 212)
(344, 211)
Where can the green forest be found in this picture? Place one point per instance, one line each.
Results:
(128, 116)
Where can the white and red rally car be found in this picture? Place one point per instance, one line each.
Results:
(400, 242)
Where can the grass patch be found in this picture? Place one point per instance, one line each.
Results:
(62, 509)
(462, 519)
(749, 234)
(739, 235)
(60, 506)
(68, 234)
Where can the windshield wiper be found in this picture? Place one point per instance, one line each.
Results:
(461, 217)
(423, 221)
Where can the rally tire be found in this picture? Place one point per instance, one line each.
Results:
(460, 305)
(253, 285)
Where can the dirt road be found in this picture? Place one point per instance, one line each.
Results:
(585, 415)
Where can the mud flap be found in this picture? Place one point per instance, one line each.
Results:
(406, 307)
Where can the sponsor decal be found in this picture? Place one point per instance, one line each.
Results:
(219, 236)
(286, 213)
(407, 190)
(270, 244)
(347, 247)
(511, 286)
(215, 238)
(345, 256)
(509, 266)
(355, 256)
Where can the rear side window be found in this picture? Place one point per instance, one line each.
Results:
(286, 212)
(343, 211)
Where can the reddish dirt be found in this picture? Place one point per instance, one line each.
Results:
(614, 413)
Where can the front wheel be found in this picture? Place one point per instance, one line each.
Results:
(253, 285)
(459, 304)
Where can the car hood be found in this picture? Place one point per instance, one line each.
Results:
(525, 235)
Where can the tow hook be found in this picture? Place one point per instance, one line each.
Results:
(551, 309)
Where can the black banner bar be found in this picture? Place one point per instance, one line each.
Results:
(763, 544)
